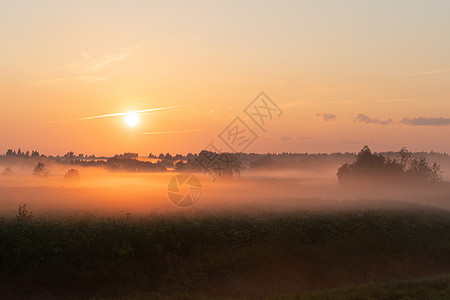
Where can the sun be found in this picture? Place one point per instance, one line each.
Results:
(131, 119)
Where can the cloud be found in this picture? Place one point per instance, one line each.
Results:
(368, 120)
(87, 79)
(142, 111)
(90, 69)
(342, 102)
(285, 138)
(395, 100)
(102, 62)
(421, 121)
(429, 72)
(173, 131)
(326, 116)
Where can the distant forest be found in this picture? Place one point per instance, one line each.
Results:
(223, 164)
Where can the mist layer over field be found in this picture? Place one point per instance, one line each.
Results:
(99, 191)
(110, 234)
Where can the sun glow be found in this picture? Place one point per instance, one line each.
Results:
(131, 119)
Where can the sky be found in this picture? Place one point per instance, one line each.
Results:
(343, 74)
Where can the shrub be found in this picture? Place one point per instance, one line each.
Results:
(72, 174)
(7, 172)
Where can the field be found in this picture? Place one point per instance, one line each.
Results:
(265, 235)
(229, 254)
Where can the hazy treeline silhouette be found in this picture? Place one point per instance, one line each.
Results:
(376, 168)
(219, 165)
(226, 165)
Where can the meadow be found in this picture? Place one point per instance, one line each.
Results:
(269, 234)
(361, 248)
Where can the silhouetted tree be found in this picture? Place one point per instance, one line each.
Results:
(7, 172)
(265, 162)
(219, 165)
(181, 166)
(72, 174)
(375, 168)
(133, 165)
(23, 215)
(40, 170)
(420, 171)
(405, 156)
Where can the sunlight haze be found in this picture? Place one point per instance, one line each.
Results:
(345, 74)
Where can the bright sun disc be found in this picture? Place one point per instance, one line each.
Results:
(131, 119)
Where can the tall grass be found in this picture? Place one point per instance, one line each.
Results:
(226, 255)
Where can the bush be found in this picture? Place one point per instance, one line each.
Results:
(7, 172)
(72, 174)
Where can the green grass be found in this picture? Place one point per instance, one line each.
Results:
(223, 255)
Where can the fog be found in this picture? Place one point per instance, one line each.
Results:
(99, 191)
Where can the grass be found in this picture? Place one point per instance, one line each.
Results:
(434, 288)
(431, 288)
(228, 255)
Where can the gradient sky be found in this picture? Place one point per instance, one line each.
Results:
(345, 73)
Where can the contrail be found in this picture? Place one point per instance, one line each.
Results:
(126, 113)
(110, 115)
(174, 131)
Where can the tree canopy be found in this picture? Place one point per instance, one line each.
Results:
(375, 168)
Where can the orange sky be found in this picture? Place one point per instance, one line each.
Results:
(345, 74)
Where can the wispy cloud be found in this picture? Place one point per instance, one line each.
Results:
(129, 112)
(326, 116)
(90, 69)
(295, 103)
(421, 121)
(429, 72)
(417, 121)
(88, 79)
(368, 120)
(395, 100)
(173, 131)
(342, 102)
(142, 111)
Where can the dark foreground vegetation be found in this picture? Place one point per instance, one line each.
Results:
(228, 255)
